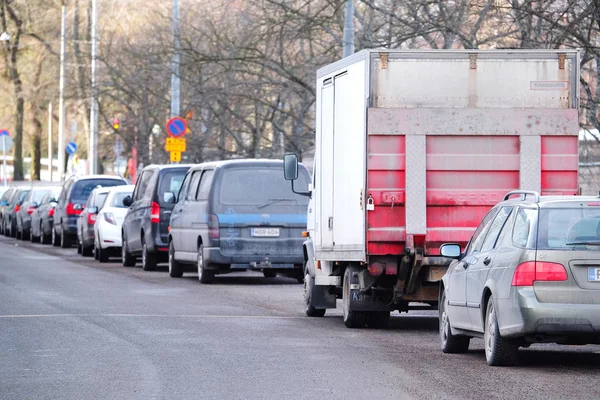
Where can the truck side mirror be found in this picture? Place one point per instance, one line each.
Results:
(290, 167)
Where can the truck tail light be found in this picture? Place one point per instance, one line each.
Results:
(155, 213)
(531, 271)
(91, 219)
(213, 227)
(376, 269)
(72, 210)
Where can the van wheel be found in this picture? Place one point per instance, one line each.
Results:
(269, 273)
(352, 319)
(55, 238)
(309, 285)
(126, 258)
(148, 260)
(499, 351)
(450, 343)
(204, 275)
(175, 267)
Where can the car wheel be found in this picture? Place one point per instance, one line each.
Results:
(55, 238)
(175, 267)
(499, 351)
(148, 260)
(450, 343)
(102, 254)
(126, 258)
(204, 275)
(352, 319)
(269, 274)
(65, 241)
(87, 251)
(309, 284)
(44, 239)
(79, 248)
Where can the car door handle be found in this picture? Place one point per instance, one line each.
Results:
(487, 261)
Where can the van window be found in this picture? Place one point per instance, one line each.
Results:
(261, 187)
(83, 188)
(191, 193)
(171, 182)
(205, 184)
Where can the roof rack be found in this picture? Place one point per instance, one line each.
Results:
(523, 194)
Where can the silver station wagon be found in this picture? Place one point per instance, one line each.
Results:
(530, 274)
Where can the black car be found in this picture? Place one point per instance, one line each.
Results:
(9, 214)
(42, 219)
(4, 205)
(146, 225)
(72, 200)
(27, 208)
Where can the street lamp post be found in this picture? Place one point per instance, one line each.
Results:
(5, 37)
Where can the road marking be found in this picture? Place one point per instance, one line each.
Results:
(7, 316)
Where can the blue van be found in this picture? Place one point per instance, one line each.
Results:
(237, 215)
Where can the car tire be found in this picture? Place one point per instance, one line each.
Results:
(378, 319)
(175, 267)
(65, 241)
(450, 343)
(309, 284)
(148, 260)
(204, 275)
(55, 237)
(102, 254)
(499, 351)
(44, 239)
(79, 248)
(269, 273)
(352, 319)
(126, 258)
(87, 251)
(19, 235)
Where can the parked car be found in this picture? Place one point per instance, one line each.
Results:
(108, 226)
(27, 208)
(4, 204)
(42, 219)
(530, 274)
(238, 215)
(72, 199)
(87, 219)
(9, 214)
(146, 226)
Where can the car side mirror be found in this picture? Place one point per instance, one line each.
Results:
(290, 167)
(451, 250)
(127, 201)
(77, 207)
(169, 197)
(93, 210)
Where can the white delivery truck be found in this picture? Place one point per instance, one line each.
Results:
(413, 148)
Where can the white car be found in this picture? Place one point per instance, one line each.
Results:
(107, 229)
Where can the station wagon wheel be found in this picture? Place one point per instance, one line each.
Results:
(499, 351)
(204, 275)
(450, 343)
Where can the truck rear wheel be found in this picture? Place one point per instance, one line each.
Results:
(352, 319)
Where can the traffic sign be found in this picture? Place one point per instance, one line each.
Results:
(175, 144)
(6, 142)
(4, 132)
(71, 148)
(175, 156)
(176, 127)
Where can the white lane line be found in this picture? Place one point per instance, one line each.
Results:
(7, 316)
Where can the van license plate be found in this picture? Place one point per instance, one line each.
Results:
(594, 274)
(265, 232)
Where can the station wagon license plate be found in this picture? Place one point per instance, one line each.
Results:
(264, 232)
(594, 274)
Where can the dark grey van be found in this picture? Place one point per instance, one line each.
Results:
(238, 215)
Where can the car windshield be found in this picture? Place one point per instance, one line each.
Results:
(117, 200)
(261, 187)
(83, 188)
(566, 228)
(171, 182)
(23, 194)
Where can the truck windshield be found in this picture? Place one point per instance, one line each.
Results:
(261, 187)
(568, 228)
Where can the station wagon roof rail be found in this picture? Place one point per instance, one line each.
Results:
(524, 194)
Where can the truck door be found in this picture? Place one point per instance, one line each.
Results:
(327, 162)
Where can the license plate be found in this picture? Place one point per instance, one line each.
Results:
(265, 232)
(594, 274)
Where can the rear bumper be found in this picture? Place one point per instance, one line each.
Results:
(109, 235)
(523, 315)
(155, 242)
(69, 226)
(213, 255)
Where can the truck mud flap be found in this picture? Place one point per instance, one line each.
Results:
(320, 298)
(370, 300)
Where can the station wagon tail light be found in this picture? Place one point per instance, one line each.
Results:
(532, 271)
(155, 213)
(71, 210)
(213, 227)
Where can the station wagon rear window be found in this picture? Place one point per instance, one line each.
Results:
(568, 228)
(83, 189)
(261, 187)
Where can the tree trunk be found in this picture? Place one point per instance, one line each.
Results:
(18, 138)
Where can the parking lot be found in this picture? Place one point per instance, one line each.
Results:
(74, 328)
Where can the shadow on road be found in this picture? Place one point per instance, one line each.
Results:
(584, 358)
(250, 280)
(414, 323)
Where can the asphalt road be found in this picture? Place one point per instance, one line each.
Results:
(71, 328)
